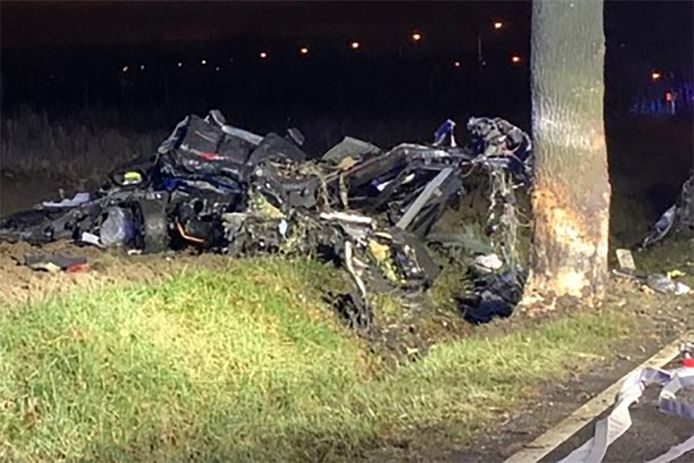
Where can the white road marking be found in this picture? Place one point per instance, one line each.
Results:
(550, 440)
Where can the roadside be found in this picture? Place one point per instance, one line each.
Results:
(246, 364)
(651, 434)
(662, 318)
(267, 316)
(656, 321)
(165, 357)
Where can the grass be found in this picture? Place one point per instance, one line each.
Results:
(248, 364)
(668, 255)
(86, 145)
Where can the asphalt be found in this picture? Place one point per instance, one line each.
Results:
(651, 434)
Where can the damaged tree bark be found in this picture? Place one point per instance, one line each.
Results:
(571, 195)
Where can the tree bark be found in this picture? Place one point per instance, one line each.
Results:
(685, 210)
(571, 193)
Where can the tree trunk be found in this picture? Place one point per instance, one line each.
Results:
(685, 211)
(571, 193)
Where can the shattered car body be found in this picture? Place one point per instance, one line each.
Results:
(217, 187)
(677, 218)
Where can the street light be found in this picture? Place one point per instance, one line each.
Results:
(416, 36)
(203, 62)
(303, 50)
(263, 55)
(497, 26)
(125, 68)
(515, 59)
(456, 64)
(655, 75)
(355, 45)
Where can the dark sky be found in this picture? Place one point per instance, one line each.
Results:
(656, 31)
(656, 25)
(379, 23)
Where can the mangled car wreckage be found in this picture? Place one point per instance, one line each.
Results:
(224, 189)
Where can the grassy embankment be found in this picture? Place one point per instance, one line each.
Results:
(249, 364)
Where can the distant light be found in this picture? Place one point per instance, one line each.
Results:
(655, 75)
(125, 68)
(217, 68)
(303, 50)
(498, 25)
(142, 67)
(263, 55)
(355, 45)
(515, 59)
(456, 64)
(668, 96)
(179, 64)
(416, 36)
(203, 62)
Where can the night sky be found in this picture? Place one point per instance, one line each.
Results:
(77, 50)
(378, 24)
(651, 23)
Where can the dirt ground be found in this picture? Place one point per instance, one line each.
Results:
(20, 284)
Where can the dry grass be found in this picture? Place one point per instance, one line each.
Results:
(83, 146)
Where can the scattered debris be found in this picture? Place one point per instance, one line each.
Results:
(494, 295)
(654, 282)
(488, 263)
(625, 260)
(220, 188)
(679, 217)
(666, 285)
(55, 263)
(614, 425)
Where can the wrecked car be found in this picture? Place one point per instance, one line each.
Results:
(220, 188)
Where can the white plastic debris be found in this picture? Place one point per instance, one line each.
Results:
(625, 259)
(612, 427)
(488, 262)
(681, 289)
(91, 238)
(117, 229)
(666, 285)
(283, 227)
(76, 200)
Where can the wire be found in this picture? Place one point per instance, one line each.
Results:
(185, 236)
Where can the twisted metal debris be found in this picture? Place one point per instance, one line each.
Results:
(219, 188)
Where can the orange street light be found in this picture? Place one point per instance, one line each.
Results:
(655, 75)
(355, 45)
(416, 36)
(498, 25)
